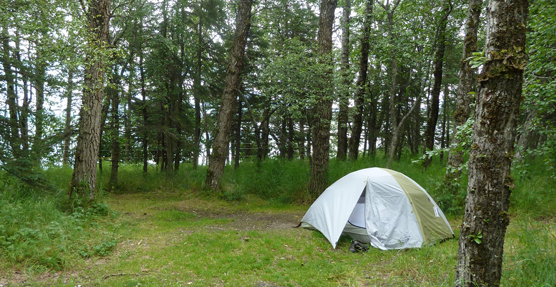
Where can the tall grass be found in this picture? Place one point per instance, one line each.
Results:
(534, 190)
(38, 231)
(530, 254)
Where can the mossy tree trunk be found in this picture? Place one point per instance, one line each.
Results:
(229, 97)
(481, 243)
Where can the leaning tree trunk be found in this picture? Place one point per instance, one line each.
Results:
(323, 107)
(361, 83)
(463, 100)
(437, 73)
(481, 243)
(83, 182)
(344, 99)
(229, 97)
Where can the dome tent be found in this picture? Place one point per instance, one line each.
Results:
(378, 206)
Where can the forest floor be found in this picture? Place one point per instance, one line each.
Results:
(178, 239)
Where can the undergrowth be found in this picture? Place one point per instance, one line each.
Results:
(40, 231)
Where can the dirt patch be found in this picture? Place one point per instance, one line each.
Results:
(247, 220)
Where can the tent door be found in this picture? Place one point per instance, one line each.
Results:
(357, 217)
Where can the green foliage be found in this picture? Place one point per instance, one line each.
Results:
(534, 191)
(529, 257)
(276, 180)
(478, 59)
(35, 231)
(478, 238)
(540, 84)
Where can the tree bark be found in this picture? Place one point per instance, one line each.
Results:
(361, 84)
(323, 106)
(344, 99)
(103, 117)
(437, 85)
(115, 130)
(197, 91)
(229, 97)
(397, 134)
(144, 112)
(481, 243)
(392, 120)
(445, 131)
(127, 118)
(83, 182)
(238, 135)
(14, 137)
(463, 99)
(524, 136)
(67, 127)
(39, 108)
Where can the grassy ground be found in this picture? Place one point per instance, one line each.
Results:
(159, 230)
(184, 239)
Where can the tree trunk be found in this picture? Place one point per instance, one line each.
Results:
(169, 139)
(238, 135)
(344, 99)
(481, 242)
(524, 136)
(301, 138)
(291, 134)
(361, 84)
(24, 116)
(197, 92)
(115, 133)
(323, 106)
(265, 133)
(144, 112)
(445, 130)
(437, 85)
(83, 182)
(67, 128)
(103, 116)
(397, 134)
(39, 108)
(229, 97)
(463, 99)
(14, 137)
(127, 119)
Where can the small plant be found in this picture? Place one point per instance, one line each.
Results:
(478, 59)
(476, 238)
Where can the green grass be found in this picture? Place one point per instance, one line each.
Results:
(165, 230)
(37, 233)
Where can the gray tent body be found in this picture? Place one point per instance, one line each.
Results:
(381, 207)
